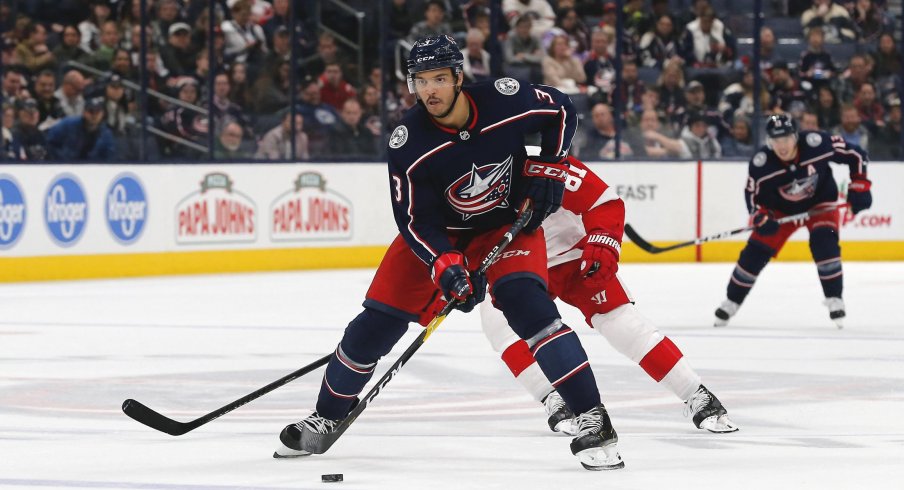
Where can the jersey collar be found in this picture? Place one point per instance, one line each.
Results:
(469, 125)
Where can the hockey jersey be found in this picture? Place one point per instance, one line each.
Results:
(796, 186)
(471, 179)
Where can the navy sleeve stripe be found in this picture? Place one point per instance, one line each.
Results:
(816, 159)
(408, 172)
(860, 169)
(519, 116)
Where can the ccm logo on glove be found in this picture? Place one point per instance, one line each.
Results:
(548, 170)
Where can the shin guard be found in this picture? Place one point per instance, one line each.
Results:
(827, 255)
(753, 259)
(562, 358)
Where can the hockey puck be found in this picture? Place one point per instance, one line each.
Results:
(331, 478)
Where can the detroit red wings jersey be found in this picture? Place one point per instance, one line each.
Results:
(589, 204)
(471, 178)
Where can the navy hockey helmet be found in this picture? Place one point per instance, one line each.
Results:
(433, 53)
(780, 125)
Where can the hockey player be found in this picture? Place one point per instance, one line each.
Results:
(458, 172)
(791, 175)
(583, 242)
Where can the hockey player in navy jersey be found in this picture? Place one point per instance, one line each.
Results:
(791, 175)
(458, 173)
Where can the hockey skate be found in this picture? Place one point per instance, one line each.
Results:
(290, 437)
(726, 310)
(708, 412)
(836, 310)
(596, 445)
(561, 418)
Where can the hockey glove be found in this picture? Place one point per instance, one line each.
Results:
(599, 261)
(546, 186)
(765, 223)
(451, 277)
(859, 195)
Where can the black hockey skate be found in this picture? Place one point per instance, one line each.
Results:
(708, 412)
(290, 437)
(561, 418)
(596, 445)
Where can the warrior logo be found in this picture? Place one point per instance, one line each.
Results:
(800, 189)
(481, 190)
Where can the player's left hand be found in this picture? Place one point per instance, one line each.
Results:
(478, 293)
(599, 261)
(764, 221)
(859, 195)
(546, 186)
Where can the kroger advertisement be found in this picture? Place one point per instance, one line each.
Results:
(59, 210)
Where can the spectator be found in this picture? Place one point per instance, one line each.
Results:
(707, 42)
(671, 89)
(277, 144)
(116, 105)
(851, 129)
(245, 40)
(82, 137)
(740, 143)
(167, 15)
(225, 109)
(857, 74)
(767, 51)
(70, 49)
(816, 64)
(29, 142)
(599, 67)
(868, 20)
(33, 52)
(600, 137)
(573, 27)
(271, 89)
(871, 112)
(102, 58)
(184, 122)
(229, 144)
(785, 90)
(540, 12)
(90, 28)
(279, 20)
(477, 60)
(522, 51)
(178, 56)
(828, 109)
(328, 52)
(650, 140)
(434, 23)
(660, 44)
(49, 108)
(887, 143)
(9, 144)
(632, 88)
(13, 85)
(561, 69)
(282, 49)
(699, 140)
(400, 19)
(240, 89)
(321, 118)
(832, 18)
(122, 65)
(888, 59)
(738, 99)
(334, 90)
(350, 137)
(70, 93)
(809, 121)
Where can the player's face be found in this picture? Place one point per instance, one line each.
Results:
(436, 88)
(784, 147)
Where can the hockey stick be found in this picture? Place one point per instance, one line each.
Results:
(156, 420)
(653, 249)
(320, 443)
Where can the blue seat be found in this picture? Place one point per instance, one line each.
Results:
(648, 75)
(841, 53)
(789, 51)
(785, 27)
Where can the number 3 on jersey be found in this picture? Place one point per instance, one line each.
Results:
(397, 185)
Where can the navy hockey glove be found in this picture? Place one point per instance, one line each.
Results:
(859, 196)
(599, 260)
(452, 278)
(546, 186)
(765, 223)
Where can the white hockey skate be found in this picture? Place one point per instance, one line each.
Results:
(596, 445)
(290, 437)
(561, 418)
(836, 310)
(726, 310)
(708, 412)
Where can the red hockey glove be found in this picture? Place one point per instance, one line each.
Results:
(546, 186)
(452, 278)
(859, 195)
(765, 223)
(599, 262)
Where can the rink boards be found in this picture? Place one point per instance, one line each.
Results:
(88, 221)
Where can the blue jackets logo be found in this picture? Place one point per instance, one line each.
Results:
(12, 212)
(127, 208)
(65, 210)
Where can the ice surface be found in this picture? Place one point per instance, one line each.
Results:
(818, 407)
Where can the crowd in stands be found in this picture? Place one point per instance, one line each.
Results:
(71, 77)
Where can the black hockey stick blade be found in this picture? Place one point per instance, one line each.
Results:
(157, 421)
(640, 242)
(320, 443)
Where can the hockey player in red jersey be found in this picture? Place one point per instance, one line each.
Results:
(791, 175)
(583, 241)
(458, 173)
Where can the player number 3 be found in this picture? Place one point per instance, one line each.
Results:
(398, 188)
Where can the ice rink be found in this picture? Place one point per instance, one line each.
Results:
(818, 407)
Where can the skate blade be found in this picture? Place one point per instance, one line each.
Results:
(601, 458)
(284, 453)
(567, 427)
(718, 322)
(719, 424)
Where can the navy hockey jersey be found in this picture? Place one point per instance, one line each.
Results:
(471, 179)
(795, 187)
